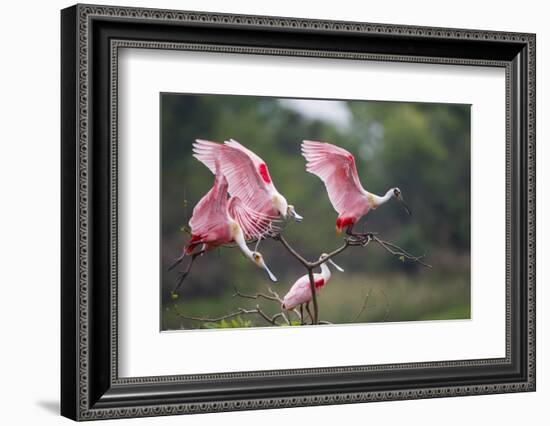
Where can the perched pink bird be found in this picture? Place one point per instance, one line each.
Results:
(218, 220)
(300, 292)
(247, 175)
(336, 168)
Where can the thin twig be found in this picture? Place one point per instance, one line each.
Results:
(364, 305)
(185, 228)
(398, 251)
(331, 254)
(240, 311)
(274, 298)
(254, 296)
(284, 242)
(387, 313)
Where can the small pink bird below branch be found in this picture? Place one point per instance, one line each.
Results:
(300, 292)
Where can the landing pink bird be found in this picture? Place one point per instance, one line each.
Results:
(247, 175)
(336, 168)
(218, 220)
(300, 292)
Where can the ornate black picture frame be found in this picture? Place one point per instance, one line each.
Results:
(91, 36)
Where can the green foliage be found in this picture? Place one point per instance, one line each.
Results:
(237, 322)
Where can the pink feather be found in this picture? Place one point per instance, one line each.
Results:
(300, 292)
(336, 168)
(245, 172)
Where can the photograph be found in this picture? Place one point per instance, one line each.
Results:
(284, 212)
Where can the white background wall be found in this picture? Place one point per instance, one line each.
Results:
(29, 225)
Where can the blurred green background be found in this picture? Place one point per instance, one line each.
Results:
(424, 149)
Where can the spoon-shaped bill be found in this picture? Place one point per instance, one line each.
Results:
(297, 217)
(405, 206)
(269, 273)
(292, 212)
(336, 266)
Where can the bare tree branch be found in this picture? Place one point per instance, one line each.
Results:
(294, 253)
(255, 296)
(240, 311)
(331, 254)
(387, 313)
(315, 319)
(398, 251)
(274, 298)
(365, 301)
(352, 240)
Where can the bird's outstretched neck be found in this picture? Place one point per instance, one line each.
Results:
(325, 271)
(239, 239)
(379, 200)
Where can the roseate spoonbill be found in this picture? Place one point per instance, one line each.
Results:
(300, 292)
(247, 175)
(217, 220)
(336, 168)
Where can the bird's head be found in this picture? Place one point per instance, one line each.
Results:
(324, 256)
(396, 193)
(284, 209)
(281, 205)
(258, 259)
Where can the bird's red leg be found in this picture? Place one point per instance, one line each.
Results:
(176, 262)
(309, 312)
(302, 314)
(194, 242)
(360, 235)
(183, 274)
(349, 231)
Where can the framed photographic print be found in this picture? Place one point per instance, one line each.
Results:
(263, 212)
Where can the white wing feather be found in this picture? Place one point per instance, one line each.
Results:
(252, 223)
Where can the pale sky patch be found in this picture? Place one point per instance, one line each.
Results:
(335, 112)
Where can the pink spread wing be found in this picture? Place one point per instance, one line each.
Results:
(259, 164)
(211, 210)
(336, 168)
(253, 224)
(207, 152)
(237, 145)
(243, 177)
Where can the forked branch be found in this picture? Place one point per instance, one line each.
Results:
(351, 241)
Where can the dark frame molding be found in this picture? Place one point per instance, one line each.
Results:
(91, 37)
